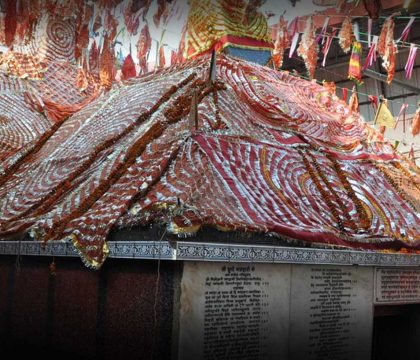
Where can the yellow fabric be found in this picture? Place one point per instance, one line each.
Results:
(210, 20)
(384, 117)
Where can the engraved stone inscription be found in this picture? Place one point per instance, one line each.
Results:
(397, 286)
(331, 315)
(234, 311)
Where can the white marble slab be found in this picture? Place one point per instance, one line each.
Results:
(232, 311)
(331, 313)
(397, 286)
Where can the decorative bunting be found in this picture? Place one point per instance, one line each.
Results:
(293, 45)
(402, 112)
(356, 31)
(406, 31)
(293, 27)
(383, 116)
(321, 35)
(355, 68)
(370, 22)
(327, 46)
(410, 61)
(371, 57)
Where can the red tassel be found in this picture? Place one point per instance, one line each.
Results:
(345, 93)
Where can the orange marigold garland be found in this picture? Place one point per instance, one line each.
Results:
(345, 36)
(308, 48)
(387, 48)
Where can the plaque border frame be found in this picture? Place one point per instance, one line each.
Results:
(219, 252)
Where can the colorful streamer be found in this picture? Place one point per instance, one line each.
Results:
(406, 31)
(410, 61)
(355, 68)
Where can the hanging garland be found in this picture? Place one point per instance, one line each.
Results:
(308, 48)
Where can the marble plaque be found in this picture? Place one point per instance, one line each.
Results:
(331, 313)
(397, 286)
(234, 311)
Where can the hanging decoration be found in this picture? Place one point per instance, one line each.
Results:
(406, 31)
(354, 101)
(128, 68)
(111, 25)
(345, 36)
(410, 61)
(308, 48)
(327, 45)
(383, 116)
(294, 35)
(355, 68)
(387, 48)
(282, 42)
(131, 19)
(401, 113)
(181, 46)
(106, 65)
(162, 61)
(323, 31)
(162, 11)
(10, 22)
(174, 57)
(143, 48)
(370, 23)
(374, 102)
(371, 57)
(411, 155)
(82, 82)
(93, 65)
(415, 125)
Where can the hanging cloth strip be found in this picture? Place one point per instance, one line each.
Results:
(402, 112)
(371, 57)
(355, 68)
(370, 22)
(321, 35)
(410, 61)
(406, 31)
(327, 46)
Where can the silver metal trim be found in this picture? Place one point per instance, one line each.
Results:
(193, 251)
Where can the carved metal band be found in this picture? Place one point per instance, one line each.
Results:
(191, 251)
